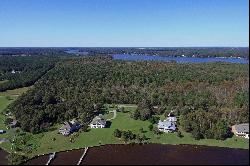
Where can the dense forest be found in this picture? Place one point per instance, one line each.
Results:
(16, 72)
(208, 97)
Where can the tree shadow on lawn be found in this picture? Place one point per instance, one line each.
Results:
(124, 111)
(51, 129)
(102, 112)
(108, 124)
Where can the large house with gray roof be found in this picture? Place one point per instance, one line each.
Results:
(69, 127)
(241, 130)
(98, 122)
(166, 126)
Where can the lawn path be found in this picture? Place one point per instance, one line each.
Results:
(114, 116)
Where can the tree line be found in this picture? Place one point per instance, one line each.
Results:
(17, 72)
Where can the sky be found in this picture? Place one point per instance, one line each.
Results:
(124, 23)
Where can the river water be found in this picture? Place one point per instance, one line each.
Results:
(180, 59)
(135, 57)
(150, 154)
(3, 157)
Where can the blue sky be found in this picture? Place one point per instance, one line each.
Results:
(118, 23)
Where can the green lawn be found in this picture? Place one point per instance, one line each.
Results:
(3, 81)
(15, 92)
(51, 141)
(95, 137)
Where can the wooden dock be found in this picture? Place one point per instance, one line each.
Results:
(51, 157)
(84, 153)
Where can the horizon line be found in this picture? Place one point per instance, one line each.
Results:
(124, 46)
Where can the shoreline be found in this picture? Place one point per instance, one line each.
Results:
(132, 144)
(128, 144)
(123, 147)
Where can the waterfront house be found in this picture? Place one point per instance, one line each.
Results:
(241, 130)
(98, 122)
(69, 127)
(2, 131)
(172, 119)
(14, 123)
(166, 126)
(13, 71)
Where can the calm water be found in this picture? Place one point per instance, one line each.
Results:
(3, 157)
(77, 52)
(151, 154)
(135, 57)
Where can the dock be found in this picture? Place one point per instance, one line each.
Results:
(51, 157)
(84, 153)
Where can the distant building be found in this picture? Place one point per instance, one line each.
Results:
(172, 119)
(14, 123)
(69, 127)
(98, 122)
(166, 126)
(241, 130)
(13, 71)
(2, 131)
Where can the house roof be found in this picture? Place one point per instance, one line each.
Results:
(99, 120)
(242, 128)
(13, 123)
(166, 124)
(172, 119)
(66, 126)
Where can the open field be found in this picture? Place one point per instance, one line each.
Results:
(15, 92)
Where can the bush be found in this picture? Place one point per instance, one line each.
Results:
(117, 133)
(16, 159)
(197, 135)
(179, 134)
(141, 130)
(150, 127)
(121, 109)
(154, 119)
(156, 131)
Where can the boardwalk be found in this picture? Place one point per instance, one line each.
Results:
(84, 153)
(51, 157)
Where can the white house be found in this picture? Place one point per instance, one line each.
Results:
(13, 71)
(241, 130)
(166, 126)
(69, 127)
(172, 119)
(169, 124)
(98, 122)
(2, 131)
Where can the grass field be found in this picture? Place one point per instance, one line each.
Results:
(51, 141)
(5, 99)
(3, 81)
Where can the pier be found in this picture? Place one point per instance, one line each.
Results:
(84, 153)
(51, 157)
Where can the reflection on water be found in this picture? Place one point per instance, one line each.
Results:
(135, 57)
(152, 154)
